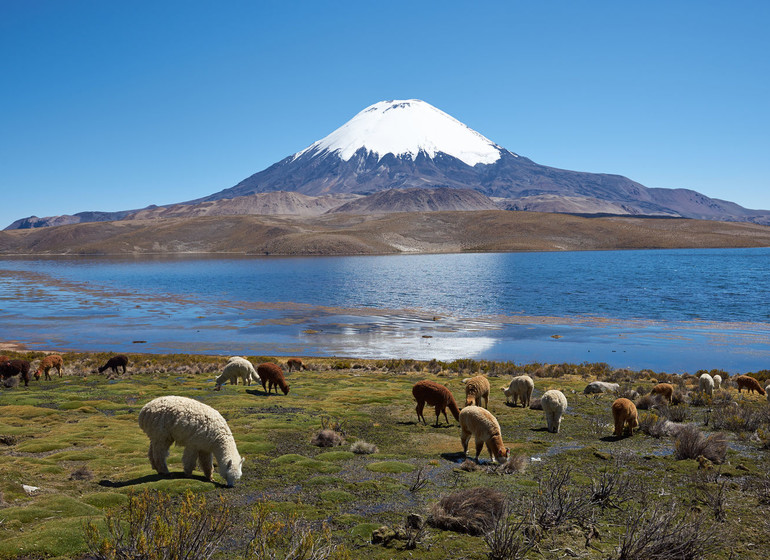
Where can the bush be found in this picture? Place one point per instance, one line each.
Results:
(360, 447)
(663, 533)
(473, 511)
(289, 537)
(152, 527)
(691, 444)
(509, 539)
(328, 438)
(557, 501)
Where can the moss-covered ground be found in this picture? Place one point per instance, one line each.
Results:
(71, 449)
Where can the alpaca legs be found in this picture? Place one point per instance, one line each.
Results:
(464, 437)
(479, 449)
(158, 453)
(206, 462)
(189, 458)
(419, 408)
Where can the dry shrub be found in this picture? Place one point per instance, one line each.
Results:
(557, 500)
(154, 527)
(657, 427)
(680, 397)
(469, 466)
(613, 488)
(510, 538)
(679, 413)
(648, 401)
(628, 392)
(328, 438)
(361, 447)
(471, 511)
(663, 533)
(740, 419)
(691, 444)
(515, 464)
(82, 473)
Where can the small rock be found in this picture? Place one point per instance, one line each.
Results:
(30, 489)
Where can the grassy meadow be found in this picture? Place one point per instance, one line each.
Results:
(75, 440)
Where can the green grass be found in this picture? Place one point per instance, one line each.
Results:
(83, 423)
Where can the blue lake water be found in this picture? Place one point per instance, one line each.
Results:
(670, 310)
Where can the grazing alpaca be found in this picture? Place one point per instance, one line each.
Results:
(198, 428)
(666, 390)
(625, 416)
(477, 391)
(749, 383)
(437, 395)
(554, 404)
(520, 388)
(11, 368)
(706, 384)
(48, 362)
(293, 364)
(601, 387)
(717, 382)
(114, 363)
(272, 376)
(483, 426)
(237, 367)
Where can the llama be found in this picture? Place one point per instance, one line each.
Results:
(197, 427)
(114, 363)
(625, 416)
(717, 382)
(437, 395)
(554, 404)
(48, 362)
(601, 387)
(750, 384)
(477, 391)
(666, 390)
(237, 367)
(272, 376)
(11, 368)
(520, 388)
(706, 384)
(483, 426)
(295, 364)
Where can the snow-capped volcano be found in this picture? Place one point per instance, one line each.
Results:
(405, 128)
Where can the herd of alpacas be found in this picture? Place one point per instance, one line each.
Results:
(205, 435)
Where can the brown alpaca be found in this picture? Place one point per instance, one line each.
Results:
(114, 363)
(48, 362)
(477, 391)
(749, 383)
(11, 368)
(272, 376)
(625, 416)
(295, 364)
(666, 390)
(436, 395)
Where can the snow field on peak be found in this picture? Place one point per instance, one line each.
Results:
(405, 128)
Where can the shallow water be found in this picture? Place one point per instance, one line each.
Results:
(670, 310)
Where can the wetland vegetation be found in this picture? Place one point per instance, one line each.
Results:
(692, 482)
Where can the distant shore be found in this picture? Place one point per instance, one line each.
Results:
(349, 234)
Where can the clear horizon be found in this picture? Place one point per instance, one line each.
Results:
(112, 106)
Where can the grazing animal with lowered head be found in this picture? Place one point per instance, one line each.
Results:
(666, 390)
(272, 376)
(706, 384)
(749, 383)
(520, 388)
(11, 368)
(114, 363)
(237, 367)
(295, 364)
(625, 416)
(197, 427)
(477, 391)
(436, 395)
(47, 363)
(483, 426)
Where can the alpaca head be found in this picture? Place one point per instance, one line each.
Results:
(232, 470)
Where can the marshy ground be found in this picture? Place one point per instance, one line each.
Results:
(76, 441)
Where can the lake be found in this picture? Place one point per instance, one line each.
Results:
(667, 310)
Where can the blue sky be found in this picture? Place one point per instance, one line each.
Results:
(113, 105)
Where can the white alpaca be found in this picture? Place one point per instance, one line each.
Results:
(197, 427)
(237, 367)
(601, 387)
(483, 426)
(554, 404)
(706, 384)
(520, 388)
(717, 382)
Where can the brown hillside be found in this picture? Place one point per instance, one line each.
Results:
(339, 234)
